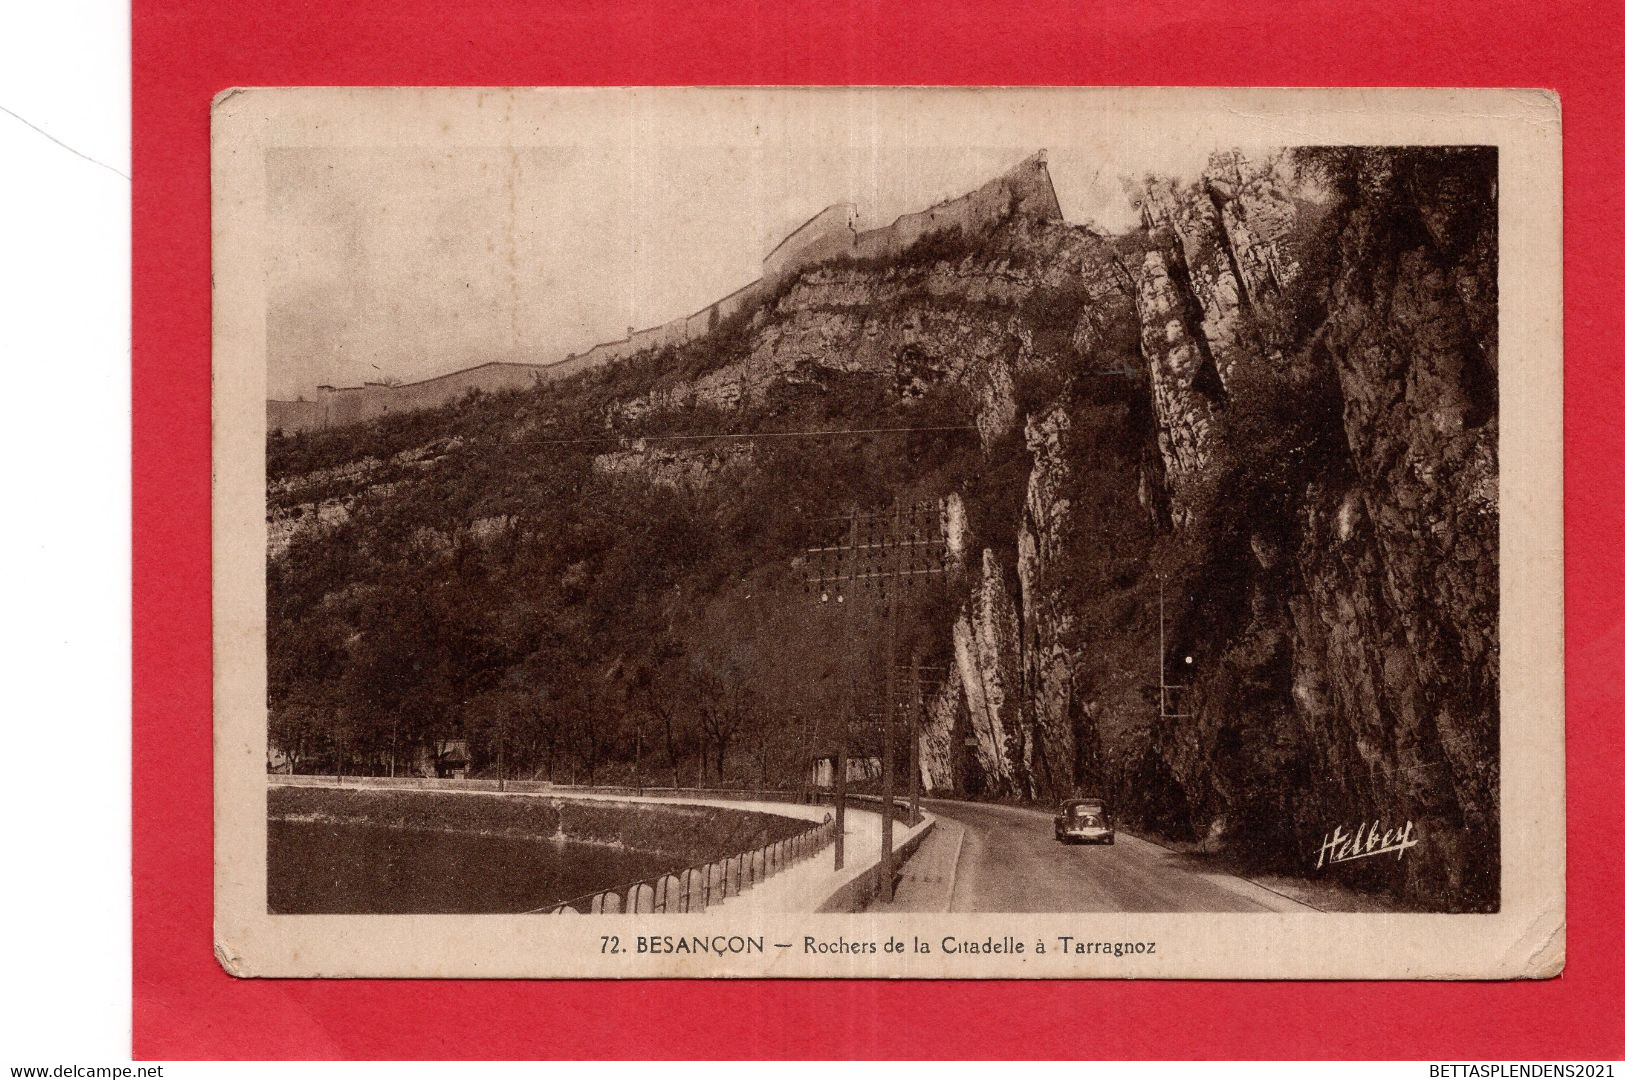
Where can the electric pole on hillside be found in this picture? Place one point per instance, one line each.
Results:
(883, 555)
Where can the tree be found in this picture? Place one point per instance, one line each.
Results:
(726, 709)
(302, 726)
(658, 690)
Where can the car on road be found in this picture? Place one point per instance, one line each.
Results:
(1084, 821)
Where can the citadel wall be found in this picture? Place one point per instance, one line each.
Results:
(830, 234)
(826, 235)
(1025, 189)
(335, 406)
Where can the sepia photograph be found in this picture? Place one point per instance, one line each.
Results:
(771, 505)
(901, 535)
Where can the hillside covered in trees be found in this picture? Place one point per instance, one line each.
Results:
(1259, 431)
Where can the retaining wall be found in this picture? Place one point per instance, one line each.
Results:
(855, 893)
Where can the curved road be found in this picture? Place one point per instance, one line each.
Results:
(984, 857)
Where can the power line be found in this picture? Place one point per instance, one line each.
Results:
(887, 547)
(807, 433)
(1432, 763)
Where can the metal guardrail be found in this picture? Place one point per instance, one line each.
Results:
(695, 888)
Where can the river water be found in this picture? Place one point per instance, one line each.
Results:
(323, 868)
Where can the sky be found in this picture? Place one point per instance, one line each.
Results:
(406, 261)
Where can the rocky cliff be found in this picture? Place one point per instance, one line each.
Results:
(1287, 380)
(1224, 541)
(1325, 409)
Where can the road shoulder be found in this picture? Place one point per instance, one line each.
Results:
(925, 883)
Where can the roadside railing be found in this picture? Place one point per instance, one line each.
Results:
(427, 782)
(691, 889)
(695, 888)
(900, 807)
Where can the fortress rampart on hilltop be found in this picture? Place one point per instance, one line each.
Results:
(830, 234)
(337, 405)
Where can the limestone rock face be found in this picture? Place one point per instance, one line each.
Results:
(986, 650)
(967, 319)
(1318, 358)
(1233, 235)
(941, 741)
(1184, 382)
(314, 503)
(1414, 556)
(673, 469)
(1373, 591)
(1046, 623)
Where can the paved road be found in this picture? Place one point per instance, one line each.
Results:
(982, 857)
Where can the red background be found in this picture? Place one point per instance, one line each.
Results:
(186, 50)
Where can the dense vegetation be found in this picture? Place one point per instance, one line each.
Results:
(569, 620)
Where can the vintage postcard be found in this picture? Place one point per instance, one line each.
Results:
(888, 532)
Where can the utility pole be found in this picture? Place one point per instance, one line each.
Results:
(883, 554)
(915, 708)
(840, 798)
(917, 673)
(828, 586)
(887, 810)
(1165, 709)
(805, 753)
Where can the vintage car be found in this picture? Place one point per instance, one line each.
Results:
(1084, 821)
